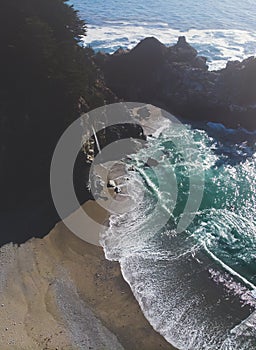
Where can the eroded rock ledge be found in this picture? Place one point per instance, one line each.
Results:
(177, 79)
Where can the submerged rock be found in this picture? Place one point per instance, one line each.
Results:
(151, 162)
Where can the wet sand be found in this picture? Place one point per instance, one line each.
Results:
(60, 292)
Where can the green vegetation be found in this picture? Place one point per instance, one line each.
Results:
(44, 73)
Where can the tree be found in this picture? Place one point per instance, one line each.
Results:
(44, 72)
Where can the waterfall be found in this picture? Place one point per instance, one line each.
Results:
(96, 139)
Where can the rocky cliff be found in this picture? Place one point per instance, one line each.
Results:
(178, 80)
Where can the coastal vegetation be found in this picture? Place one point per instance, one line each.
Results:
(47, 79)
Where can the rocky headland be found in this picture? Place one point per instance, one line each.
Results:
(178, 80)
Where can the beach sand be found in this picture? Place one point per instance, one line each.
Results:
(60, 292)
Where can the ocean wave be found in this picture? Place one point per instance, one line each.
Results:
(189, 285)
(189, 307)
(219, 46)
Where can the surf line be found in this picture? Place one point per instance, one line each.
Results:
(231, 271)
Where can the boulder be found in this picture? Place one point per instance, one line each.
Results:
(151, 162)
(111, 184)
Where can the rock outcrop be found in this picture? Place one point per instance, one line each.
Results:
(177, 79)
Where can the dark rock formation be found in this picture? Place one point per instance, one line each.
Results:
(151, 162)
(178, 80)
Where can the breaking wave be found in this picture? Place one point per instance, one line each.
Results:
(197, 288)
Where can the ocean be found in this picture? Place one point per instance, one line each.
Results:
(196, 287)
(219, 30)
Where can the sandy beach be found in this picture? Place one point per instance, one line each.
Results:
(61, 293)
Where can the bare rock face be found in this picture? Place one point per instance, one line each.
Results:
(177, 79)
(120, 51)
(182, 51)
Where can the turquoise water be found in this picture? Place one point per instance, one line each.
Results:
(219, 30)
(196, 287)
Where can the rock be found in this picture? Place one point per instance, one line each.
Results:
(149, 46)
(120, 51)
(182, 51)
(151, 162)
(200, 62)
(100, 58)
(117, 189)
(177, 79)
(111, 183)
(128, 73)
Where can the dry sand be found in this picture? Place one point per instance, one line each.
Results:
(61, 293)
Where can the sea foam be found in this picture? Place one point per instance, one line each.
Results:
(195, 298)
(219, 46)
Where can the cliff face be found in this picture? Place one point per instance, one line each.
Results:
(177, 79)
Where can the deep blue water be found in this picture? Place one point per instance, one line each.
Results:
(219, 30)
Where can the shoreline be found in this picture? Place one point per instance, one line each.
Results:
(68, 295)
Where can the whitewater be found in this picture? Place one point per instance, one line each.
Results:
(196, 287)
(219, 30)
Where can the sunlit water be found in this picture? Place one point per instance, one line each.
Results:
(219, 30)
